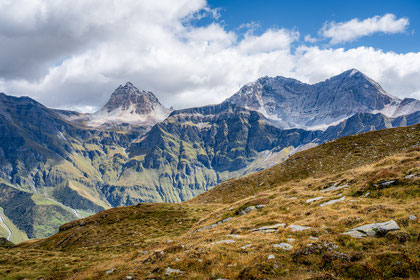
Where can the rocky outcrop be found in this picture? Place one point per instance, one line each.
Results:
(373, 230)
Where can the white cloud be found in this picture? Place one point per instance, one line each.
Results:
(74, 54)
(396, 73)
(308, 38)
(340, 32)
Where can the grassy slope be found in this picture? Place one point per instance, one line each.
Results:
(143, 241)
(17, 235)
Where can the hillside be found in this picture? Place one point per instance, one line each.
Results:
(58, 165)
(295, 231)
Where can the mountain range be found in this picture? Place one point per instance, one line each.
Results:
(346, 209)
(58, 165)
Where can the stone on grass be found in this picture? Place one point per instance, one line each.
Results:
(215, 225)
(228, 241)
(412, 218)
(260, 206)
(109, 271)
(271, 257)
(283, 246)
(334, 188)
(298, 228)
(373, 230)
(247, 210)
(267, 229)
(246, 246)
(331, 202)
(387, 183)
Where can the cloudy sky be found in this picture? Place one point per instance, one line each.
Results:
(73, 54)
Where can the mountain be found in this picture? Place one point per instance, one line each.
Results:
(195, 149)
(293, 104)
(130, 105)
(56, 167)
(291, 221)
(48, 166)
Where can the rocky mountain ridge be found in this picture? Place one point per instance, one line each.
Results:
(293, 104)
(64, 168)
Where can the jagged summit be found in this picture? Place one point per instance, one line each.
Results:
(128, 104)
(293, 104)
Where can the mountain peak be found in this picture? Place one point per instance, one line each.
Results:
(293, 104)
(128, 104)
(352, 72)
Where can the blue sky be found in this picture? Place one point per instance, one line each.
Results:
(307, 17)
(73, 54)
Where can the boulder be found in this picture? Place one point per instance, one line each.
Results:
(371, 230)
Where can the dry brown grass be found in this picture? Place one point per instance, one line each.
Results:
(106, 241)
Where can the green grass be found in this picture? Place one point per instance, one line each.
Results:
(17, 235)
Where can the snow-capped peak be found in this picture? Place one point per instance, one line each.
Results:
(128, 104)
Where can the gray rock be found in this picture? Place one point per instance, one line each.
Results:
(271, 257)
(247, 210)
(260, 206)
(246, 246)
(412, 218)
(215, 225)
(110, 271)
(387, 183)
(314, 199)
(271, 228)
(298, 228)
(228, 241)
(334, 188)
(283, 246)
(371, 230)
(331, 202)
